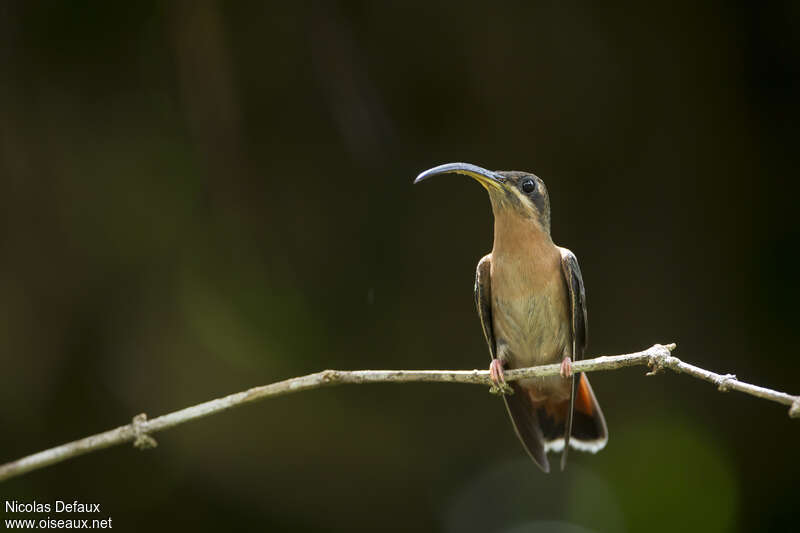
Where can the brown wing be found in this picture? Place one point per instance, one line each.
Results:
(483, 301)
(580, 331)
(520, 408)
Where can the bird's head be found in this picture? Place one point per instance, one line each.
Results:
(512, 193)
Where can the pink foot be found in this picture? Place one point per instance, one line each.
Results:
(499, 385)
(566, 367)
(496, 372)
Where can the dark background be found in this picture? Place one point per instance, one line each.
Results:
(200, 197)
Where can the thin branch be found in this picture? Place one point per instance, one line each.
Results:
(658, 357)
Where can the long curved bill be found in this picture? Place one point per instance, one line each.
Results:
(487, 178)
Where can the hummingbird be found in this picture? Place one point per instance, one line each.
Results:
(531, 303)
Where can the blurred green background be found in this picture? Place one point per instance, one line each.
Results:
(200, 197)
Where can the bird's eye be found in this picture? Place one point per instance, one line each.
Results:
(528, 186)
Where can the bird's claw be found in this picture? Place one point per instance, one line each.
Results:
(499, 385)
(566, 367)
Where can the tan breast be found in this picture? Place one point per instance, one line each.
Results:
(530, 306)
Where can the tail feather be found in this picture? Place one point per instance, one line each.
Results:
(541, 427)
(525, 419)
(589, 432)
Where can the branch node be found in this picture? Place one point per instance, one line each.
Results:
(660, 358)
(794, 410)
(501, 390)
(141, 440)
(723, 383)
(655, 368)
